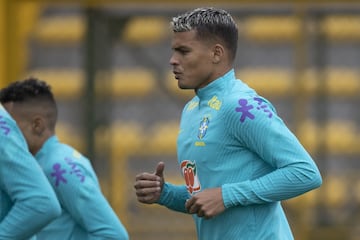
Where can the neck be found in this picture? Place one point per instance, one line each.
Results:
(41, 141)
(222, 71)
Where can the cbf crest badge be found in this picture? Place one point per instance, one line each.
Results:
(204, 124)
(188, 169)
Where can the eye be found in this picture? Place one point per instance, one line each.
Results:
(184, 51)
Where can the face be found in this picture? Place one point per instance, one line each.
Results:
(191, 60)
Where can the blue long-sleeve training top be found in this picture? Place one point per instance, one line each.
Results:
(86, 214)
(230, 137)
(27, 201)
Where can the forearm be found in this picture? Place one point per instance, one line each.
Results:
(89, 208)
(107, 230)
(281, 184)
(123, 235)
(276, 147)
(34, 203)
(174, 197)
(27, 217)
(102, 223)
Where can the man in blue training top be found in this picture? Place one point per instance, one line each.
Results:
(86, 214)
(27, 201)
(238, 158)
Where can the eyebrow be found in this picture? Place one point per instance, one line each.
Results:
(181, 47)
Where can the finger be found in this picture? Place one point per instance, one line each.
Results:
(147, 176)
(146, 199)
(146, 184)
(188, 204)
(147, 191)
(160, 169)
(200, 213)
(191, 206)
(194, 209)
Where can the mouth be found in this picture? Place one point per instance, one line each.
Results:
(176, 74)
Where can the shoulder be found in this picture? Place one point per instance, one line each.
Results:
(68, 168)
(57, 155)
(244, 105)
(193, 103)
(8, 126)
(10, 134)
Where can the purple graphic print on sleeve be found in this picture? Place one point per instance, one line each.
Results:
(58, 174)
(3, 126)
(245, 109)
(75, 169)
(262, 105)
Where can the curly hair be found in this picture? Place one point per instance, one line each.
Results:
(26, 90)
(32, 92)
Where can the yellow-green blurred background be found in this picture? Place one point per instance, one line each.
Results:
(107, 62)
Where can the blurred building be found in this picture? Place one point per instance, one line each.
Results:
(107, 62)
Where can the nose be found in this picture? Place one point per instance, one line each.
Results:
(173, 60)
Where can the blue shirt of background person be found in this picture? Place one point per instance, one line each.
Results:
(27, 201)
(86, 214)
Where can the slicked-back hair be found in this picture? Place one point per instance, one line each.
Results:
(209, 23)
(30, 90)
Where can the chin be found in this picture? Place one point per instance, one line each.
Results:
(183, 86)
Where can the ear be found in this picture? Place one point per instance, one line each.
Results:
(218, 53)
(38, 125)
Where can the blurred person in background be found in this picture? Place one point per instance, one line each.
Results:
(27, 201)
(237, 156)
(86, 214)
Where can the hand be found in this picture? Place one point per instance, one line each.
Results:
(149, 186)
(207, 203)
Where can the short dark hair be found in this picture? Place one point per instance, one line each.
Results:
(209, 23)
(30, 90)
